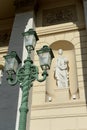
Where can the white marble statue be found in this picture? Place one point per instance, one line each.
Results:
(61, 70)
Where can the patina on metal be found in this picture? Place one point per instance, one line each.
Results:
(25, 76)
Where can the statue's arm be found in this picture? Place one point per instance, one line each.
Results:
(60, 65)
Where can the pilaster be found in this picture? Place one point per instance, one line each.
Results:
(85, 11)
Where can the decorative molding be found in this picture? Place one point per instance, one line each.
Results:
(59, 28)
(56, 105)
(59, 15)
(58, 116)
(3, 49)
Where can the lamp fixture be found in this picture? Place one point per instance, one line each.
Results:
(28, 73)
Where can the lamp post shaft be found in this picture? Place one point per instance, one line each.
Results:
(26, 85)
(26, 74)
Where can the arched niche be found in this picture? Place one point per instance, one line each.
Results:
(53, 92)
(65, 45)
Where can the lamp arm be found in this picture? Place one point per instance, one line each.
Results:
(44, 74)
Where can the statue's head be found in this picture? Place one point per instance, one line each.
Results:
(60, 51)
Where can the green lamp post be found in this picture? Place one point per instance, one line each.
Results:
(26, 74)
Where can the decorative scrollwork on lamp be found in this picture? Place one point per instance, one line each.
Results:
(29, 72)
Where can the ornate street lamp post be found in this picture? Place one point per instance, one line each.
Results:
(26, 74)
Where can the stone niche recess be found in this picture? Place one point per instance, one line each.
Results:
(53, 92)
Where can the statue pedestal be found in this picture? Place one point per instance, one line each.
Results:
(61, 94)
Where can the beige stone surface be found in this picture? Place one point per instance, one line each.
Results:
(3, 51)
(58, 116)
(62, 112)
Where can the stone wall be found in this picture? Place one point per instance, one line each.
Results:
(62, 112)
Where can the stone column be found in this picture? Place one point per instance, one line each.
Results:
(9, 94)
(85, 11)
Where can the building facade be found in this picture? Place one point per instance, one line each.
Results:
(60, 25)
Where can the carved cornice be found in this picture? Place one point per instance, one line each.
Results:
(59, 29)
(59, 15)
(56, 105)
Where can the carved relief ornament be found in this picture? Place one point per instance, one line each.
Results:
(59, 15)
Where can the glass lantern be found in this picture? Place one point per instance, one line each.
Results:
(30, 38)
(45, 57)
(11, 62)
